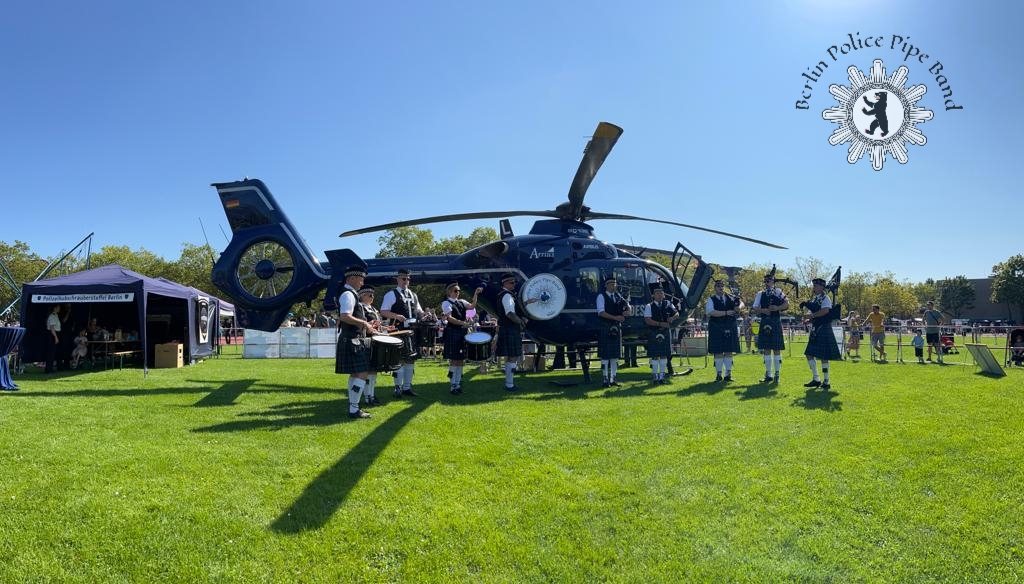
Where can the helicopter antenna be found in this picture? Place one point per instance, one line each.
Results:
(221, 227)
(213, 260)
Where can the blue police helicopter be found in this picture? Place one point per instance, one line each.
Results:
(267, 266)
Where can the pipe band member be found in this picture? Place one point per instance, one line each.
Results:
(659, 315)
(723, 337)
(770, 303)
(402, 306)
(352, 354)
(612, 308)
(457, 324)
(822, 342)
(371, 315)
(511, 322)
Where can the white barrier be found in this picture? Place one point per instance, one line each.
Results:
(290, 343)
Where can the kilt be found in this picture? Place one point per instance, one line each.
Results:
(769, 337)
(454, 343)
(352, 355)
(822, 343)
(510, 341)
(723, 338)
(657, 348)
(609, 346)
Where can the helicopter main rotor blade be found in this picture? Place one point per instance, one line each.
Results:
(594, 155)
(456, 217)
(709, 230)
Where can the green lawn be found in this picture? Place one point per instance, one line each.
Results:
(248, 470)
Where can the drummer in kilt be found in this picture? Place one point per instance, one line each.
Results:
(511, 323)
(659, 315)
(770, 304)
(723, 338)
(612, 308)
(352, 354)
(370, 314)
(457, 324)
(400, 305)
(822, 342)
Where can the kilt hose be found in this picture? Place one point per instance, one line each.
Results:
(769, 337)
(723, 338)
(454, 343)
(609, 345)
(352, 355)
(510, 341)
(822, 343)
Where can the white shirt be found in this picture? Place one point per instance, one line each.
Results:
(508, 303)
(346, 301)
(711, 303)
(778, 292)
(600, 303)
(446, 306)
(389, 300)
(53, 322)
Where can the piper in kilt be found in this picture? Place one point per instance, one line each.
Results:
(510, 329)
(612, 308)
(659, 315)
(402, 306)
(770, 303)
(457, 322)
(370, 314)
(822, 342)
(352, 354)
(723, 338)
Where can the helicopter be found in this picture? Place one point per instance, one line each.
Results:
(267, 267)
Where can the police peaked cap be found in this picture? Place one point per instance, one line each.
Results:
(404, 272)
(818, 281)
(366, 290)
(507, 277)
(610, 279)
(355, 271)
(769, 277)
(450, 286)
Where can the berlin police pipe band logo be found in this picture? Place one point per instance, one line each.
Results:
(877, 114)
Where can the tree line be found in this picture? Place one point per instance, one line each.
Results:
(859, 290)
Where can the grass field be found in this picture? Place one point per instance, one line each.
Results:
(249, 471)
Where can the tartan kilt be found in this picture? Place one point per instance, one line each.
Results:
(352, 355)
(510, 341)
(723, 338)
(609, 346)
(773, 340)
(822, 343)
(454, 343)
(659, 348)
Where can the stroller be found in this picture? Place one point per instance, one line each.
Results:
(1016, 342)
(948, 343)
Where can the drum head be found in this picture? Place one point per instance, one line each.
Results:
(386, 340)
(478, 338)
(550, 294)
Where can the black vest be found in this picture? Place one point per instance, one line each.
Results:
(370, 312)
(404, 304)
(662, 312)
(614, 305)
(814, 306)
(351, 331)
(728, 304)
(504, 320)
(458, 310)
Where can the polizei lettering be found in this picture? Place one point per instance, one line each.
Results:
(813, 74)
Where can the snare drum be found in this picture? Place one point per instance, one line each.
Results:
(478, 346)
(385, 353)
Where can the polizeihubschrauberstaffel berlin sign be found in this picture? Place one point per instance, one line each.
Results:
(877, 113)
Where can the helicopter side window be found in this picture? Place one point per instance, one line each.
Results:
(632, 282)
(589, 283)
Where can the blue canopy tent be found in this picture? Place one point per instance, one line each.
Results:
(159, 309)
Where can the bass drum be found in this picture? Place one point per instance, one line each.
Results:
(385, 353)
(549, 291)
(478, 346)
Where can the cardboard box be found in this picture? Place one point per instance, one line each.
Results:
(168, 355)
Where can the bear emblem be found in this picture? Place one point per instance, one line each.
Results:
(877, 110)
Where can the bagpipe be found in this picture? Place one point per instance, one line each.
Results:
(621, 305)
(832, 287)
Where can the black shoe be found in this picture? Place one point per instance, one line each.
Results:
(826, 386)
(666, 381)
(767, 379)
(606, 384)
(776, 379)
(409, 393)
(813, 384)
(371, 401)
(358, 414)
(511, 389)
(718, 377)
(727, 378)
(616, 384)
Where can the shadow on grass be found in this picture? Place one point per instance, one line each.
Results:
(759, 391)
(707, 387)
(322, 497)
(280, 416)
(819, 400)
(226, 394)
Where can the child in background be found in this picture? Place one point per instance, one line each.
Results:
(918, 342)
(81, 348)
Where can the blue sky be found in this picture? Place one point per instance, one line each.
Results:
(116, 116)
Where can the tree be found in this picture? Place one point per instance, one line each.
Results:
(853, 291)
(956, 295)
(809, 268)
(406, 241)
(925, 291)
(141, 260)
(895, 298)
(460, 244)
(1008, 282)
